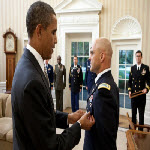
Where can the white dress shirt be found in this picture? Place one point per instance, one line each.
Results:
(100, 74)
(37, 56)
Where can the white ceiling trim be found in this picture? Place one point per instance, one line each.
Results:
(74, 6)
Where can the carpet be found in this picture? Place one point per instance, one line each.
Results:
(121, 139)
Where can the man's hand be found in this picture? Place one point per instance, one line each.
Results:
(129, 94)
(86, 88)
(74, 117)
(80, 90)
(144, 91)
(87, 121)
(51, 88)
(70, 89)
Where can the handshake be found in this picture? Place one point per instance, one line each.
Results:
(85, 119)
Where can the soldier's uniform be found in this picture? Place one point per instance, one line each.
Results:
(138, 80)
(103, 104)
(60, 84)
(50, 74)
(89, 77)
(75, 83)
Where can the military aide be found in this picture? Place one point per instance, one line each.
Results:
(138, 81)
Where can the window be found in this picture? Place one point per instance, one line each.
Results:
(125, 63)
(81, 50)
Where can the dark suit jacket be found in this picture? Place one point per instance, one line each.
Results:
(34, 118)
(103, 103)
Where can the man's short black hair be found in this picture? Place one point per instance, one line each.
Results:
(139, 52)
(38, 13)
(75, 56)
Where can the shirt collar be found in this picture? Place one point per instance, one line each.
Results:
(37, 56)
(138, 66)
(101, 73)
(75, 66)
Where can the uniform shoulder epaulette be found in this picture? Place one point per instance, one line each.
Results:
(104, 85)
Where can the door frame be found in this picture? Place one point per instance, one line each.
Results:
(124, 44)
(77, 37)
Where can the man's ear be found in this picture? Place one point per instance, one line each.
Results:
(102, 57)
(38, 30)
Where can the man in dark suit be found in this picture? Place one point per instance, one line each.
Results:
(138, 81)
(75, 83)
(50, 73)
(103, 100)
(34, 118)
(59, 83)
(89, 77)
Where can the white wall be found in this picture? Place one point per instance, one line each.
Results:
(13, 15)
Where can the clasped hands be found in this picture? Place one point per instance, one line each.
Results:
(144, 91)
(86, 120)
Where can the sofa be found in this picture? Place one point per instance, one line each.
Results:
(6, 132)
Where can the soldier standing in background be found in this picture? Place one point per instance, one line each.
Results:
(75, 83)
(59, 83)
(50, 73)
(89, 77)
(138, 81)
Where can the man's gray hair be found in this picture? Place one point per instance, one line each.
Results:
(38, 13)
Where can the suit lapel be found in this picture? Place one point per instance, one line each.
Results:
(32, 58)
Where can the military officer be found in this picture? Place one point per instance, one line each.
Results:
(50, 73)
(103, 100)
(59, 83)
(138, 81)
(75, 83)
(89, 77)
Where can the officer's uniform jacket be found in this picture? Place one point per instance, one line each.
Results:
(59, 77)
(50, 74)
(89, 76)
(103, 104)
(75, 78)
(138, 80)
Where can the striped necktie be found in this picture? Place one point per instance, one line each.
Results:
(46, 75)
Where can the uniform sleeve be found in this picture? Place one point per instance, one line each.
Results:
(70, 78)
(130, 80)
(39, 122)
(147, 79)
(81, 78)
(106, 118)
(64, 77)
